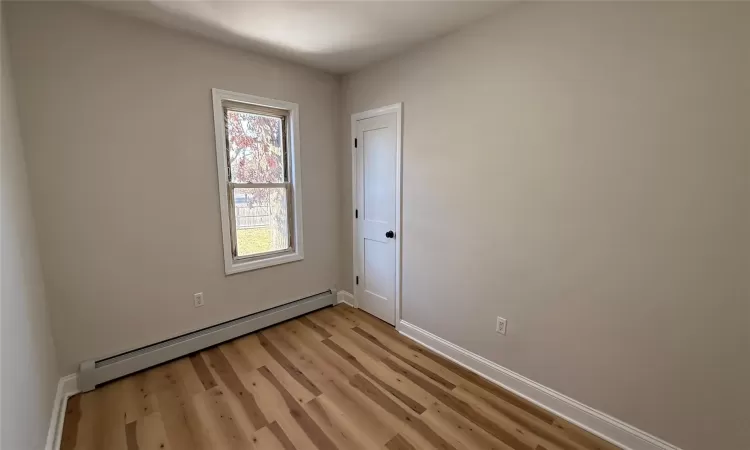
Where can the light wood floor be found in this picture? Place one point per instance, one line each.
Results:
(335, 379)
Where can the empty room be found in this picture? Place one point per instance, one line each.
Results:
(379, 225)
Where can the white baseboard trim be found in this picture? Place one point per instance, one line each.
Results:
(66, 387)
(345, 297)
(596, 422)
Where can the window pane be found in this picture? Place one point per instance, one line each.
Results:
(256, 153)
(261, 220)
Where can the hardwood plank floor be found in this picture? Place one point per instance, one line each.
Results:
(335, 379)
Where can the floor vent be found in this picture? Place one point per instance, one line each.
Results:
(98, 371)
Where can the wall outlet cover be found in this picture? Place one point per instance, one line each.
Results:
(198, 299)
(502, 325)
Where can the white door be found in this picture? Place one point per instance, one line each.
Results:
(376, 215)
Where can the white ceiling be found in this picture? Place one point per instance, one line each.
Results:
(337, 37)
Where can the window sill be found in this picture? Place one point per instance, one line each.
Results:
(233, 267)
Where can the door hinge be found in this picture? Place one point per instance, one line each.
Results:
(356, 214)
(355, 142)
(357, 278)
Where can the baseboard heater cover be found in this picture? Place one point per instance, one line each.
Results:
(98, 371)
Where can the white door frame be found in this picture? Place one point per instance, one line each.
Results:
(398, 109)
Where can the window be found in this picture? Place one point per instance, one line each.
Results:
(257, 154)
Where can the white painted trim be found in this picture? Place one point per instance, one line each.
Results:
(295, 177)
(66, 387)
(607, 427)
(238, 267)
(346, 297)
(398, 109)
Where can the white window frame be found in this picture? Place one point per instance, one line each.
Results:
(234, 265)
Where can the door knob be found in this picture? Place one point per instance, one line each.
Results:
(390, 234)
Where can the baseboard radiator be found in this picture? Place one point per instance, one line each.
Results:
(98, 371)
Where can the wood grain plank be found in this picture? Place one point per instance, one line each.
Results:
(530, 437)
(284, 362)
(259, 357)
(154, 380)
(462, 408)
(313, 431)
(90, 408)
(308, 363)
(365, 320)
(473, 378)
(254, 353)
(236, 357)
(299, 337)
(428, 373)
(398, 350)
(362, 412)
(460, 431)
(399, 345)
(273, 405)
(70, 423)
(322, 332)
(200, 368)
(388, 405)
(187, 379)
(344, 429)
(350, 315)
(131, 436)
(333, 323)
(150, 433)
(372, 358)
(332, 374)
(528, 421)
(136, 397)
(181, 423)
(283, 439)
(109, 421)
(228, 376)
(405, 399)
(399, 443)
(219, 424)
(264, 439)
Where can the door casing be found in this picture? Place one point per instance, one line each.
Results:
(398, 109)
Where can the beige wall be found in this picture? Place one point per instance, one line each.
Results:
(28, 370)
(119, 134)
(582, 170)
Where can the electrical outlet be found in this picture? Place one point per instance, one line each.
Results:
(502, 325)
(198, 299)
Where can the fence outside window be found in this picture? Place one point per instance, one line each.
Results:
(252, 216)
